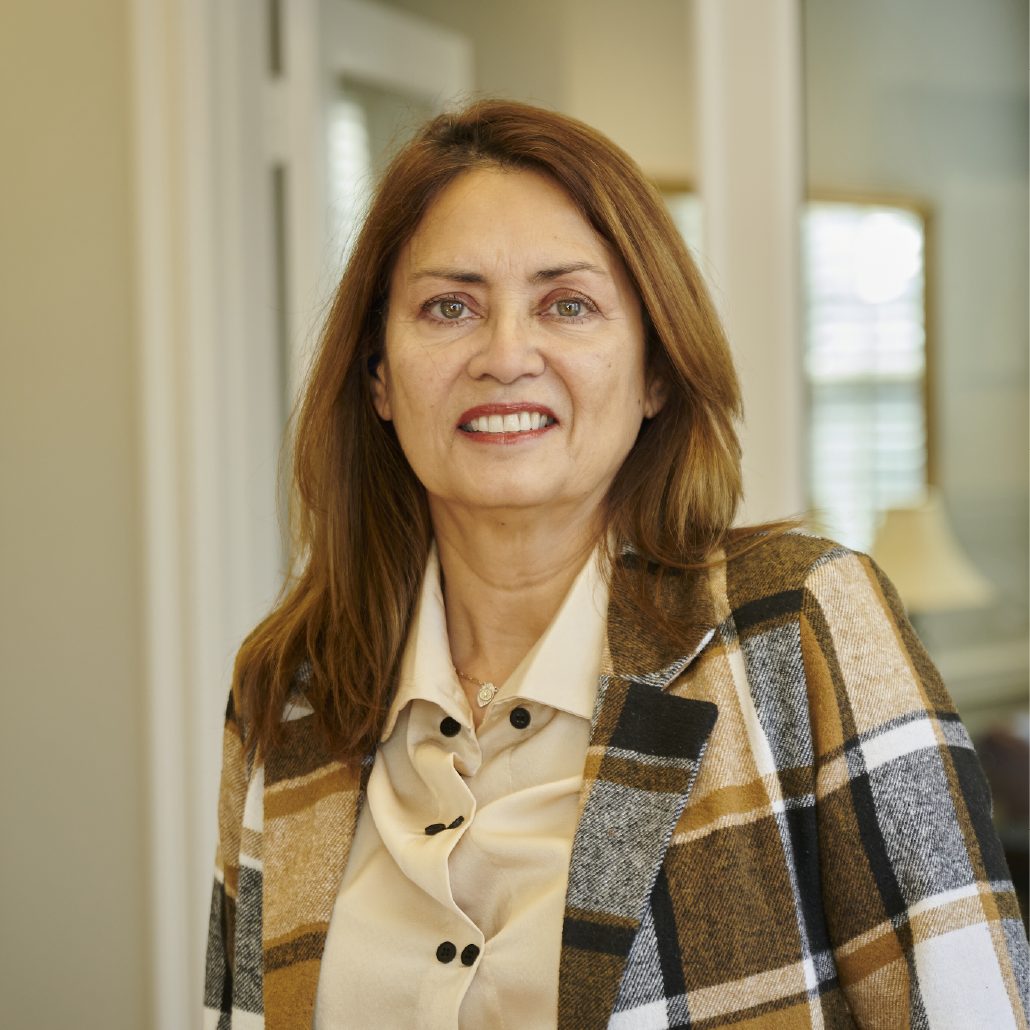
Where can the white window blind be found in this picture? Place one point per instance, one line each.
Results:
(865, 357)
(865, 363)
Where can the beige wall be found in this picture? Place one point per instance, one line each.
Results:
(518, 46)
(629, 73)
(72, 841)
(624, 69)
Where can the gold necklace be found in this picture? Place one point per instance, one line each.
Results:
(486, 690)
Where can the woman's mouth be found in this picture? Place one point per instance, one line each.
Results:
(512, 422)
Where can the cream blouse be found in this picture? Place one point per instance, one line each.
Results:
(449, 912)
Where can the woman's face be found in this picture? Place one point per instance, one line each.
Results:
(514, 365)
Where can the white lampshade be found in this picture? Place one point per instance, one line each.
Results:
(919, 552)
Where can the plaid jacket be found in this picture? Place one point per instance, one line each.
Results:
(785, 827)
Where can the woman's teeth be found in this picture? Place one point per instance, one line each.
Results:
(523, 422)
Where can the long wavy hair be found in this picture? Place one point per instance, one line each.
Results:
(360, 524)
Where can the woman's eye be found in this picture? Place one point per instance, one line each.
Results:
(570, 308)
(451, 309)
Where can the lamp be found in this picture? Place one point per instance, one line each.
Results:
(918, 551)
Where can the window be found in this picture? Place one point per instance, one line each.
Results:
(864, 356)
(349, 167)
(865, 363)
(366, 124)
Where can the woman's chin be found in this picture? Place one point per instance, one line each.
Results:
(511, 495)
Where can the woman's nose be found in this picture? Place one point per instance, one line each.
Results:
(506, 349)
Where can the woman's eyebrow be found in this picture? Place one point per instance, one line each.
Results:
(457, 275)
(461, 275)
(547, 274)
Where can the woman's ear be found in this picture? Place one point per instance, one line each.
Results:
(655, 395)
(380, 387)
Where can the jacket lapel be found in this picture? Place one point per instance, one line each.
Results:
(311, 806)
(645, 748)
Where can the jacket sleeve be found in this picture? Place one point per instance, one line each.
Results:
(922, 917)
(220, 966)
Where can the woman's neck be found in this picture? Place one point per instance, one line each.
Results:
(504, 578)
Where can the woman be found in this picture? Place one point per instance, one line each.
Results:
(536, 740)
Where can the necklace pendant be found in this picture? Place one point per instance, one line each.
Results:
(486, 690)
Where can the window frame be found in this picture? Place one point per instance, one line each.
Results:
(924, 210)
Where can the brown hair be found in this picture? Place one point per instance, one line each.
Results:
(360, 520)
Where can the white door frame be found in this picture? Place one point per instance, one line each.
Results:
(752, 185)
(210, 412)
(212, 119)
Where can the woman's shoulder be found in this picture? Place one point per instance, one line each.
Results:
(776, 562)
(841, 593)
(781, 576)
(761, 585)
(753, 568)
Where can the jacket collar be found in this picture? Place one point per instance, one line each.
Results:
(641, 649)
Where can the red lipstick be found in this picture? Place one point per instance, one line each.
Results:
(514, 408)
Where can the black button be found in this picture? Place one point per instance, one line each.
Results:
(519, 718)
(457, 822)
(468, 956)
(450, 727)
(447, 951)
(435, 828)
